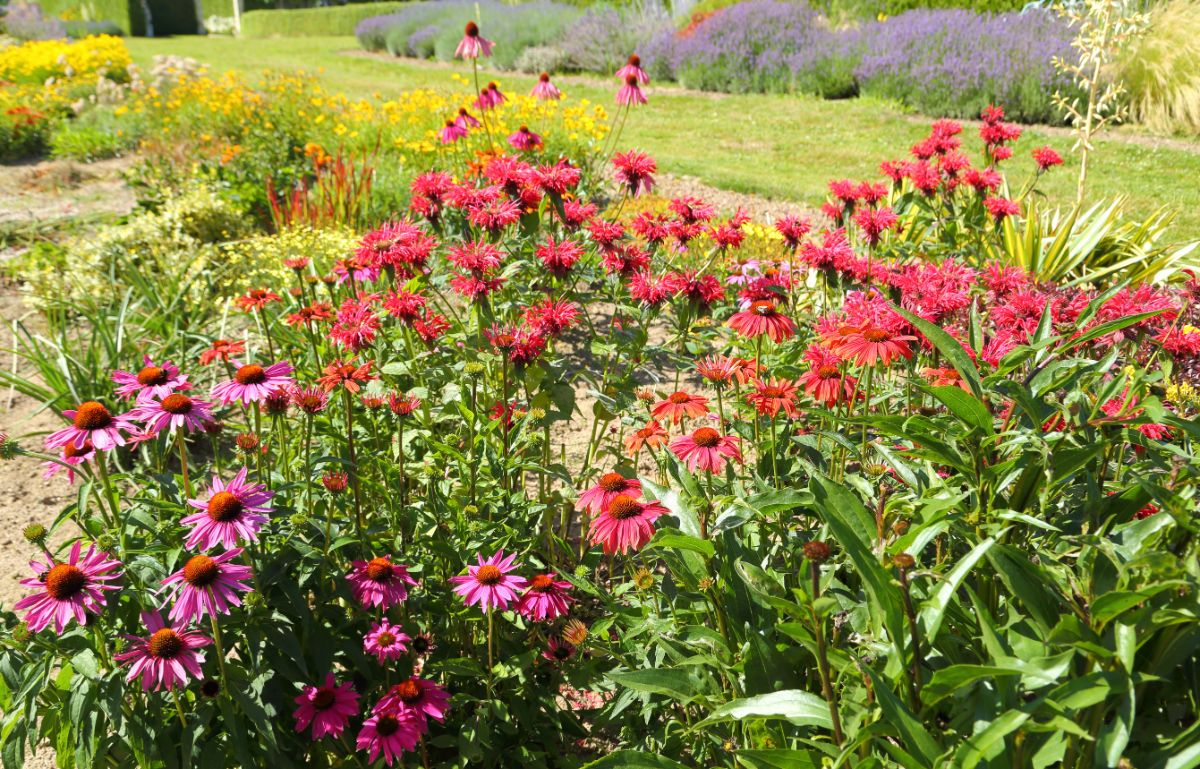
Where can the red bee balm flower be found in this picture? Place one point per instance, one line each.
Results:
(707, 449)
(763, 318)
(625, 524)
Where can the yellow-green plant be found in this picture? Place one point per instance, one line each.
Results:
(1103, 28)
(1161, 69)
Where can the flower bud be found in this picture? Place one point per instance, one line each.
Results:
(817, 552)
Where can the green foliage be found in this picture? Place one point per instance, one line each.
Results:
(96, 134)
(311, 22)
(1161, 69)
(125, 14)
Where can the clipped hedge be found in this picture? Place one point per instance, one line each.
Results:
(312, 22)
(126, 14)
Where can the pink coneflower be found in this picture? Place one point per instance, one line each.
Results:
(824, 381)
(402, 405)
(466, 119)
(762, 317)
(328, 708)
(207, 586)
(706, 449)
(252, 383)
(232, 511)
(625, 524)
(310, 400)
(70, 456)
(490, 97)
(489, 583)
(871, 342)
(610, 485)
(630, 93)
(545, 598)
(524, 139)
(68, 589)
(386, 641)
(165, 658)
(418, 695)
(633, 66)
(558, 651)
(545, 90)
(152, 380)
(390, 734)
(679, 406)
(652, 435)
(452, 132)
(176, 411)
(91, 423)
(771, 396)
(256, 299)
(473, 45)
(635, 170)
(379, 582)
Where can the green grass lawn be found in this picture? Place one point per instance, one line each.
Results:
(784, 147)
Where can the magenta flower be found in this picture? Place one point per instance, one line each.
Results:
(386, 641)
(545, 598)
(635, 170)
(328, 708)
(91, 423)
(452, 132)
(558, 651)
(473, 45)
(490, 97)
(390, 734)
(707, 449)
(466, 119)
(72, 457)
(419, 695)
(524, 139)
(545, 90)
(68, 590)
(207, 586)
(253, 383)
(610, 486)
(633, 67)
(152, 381)
(625, 524)
(165, 658)
(630, 93)
(231, 512)
(379, 582)
(171, 413)
(489, 584)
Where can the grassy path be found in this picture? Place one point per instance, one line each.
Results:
(782, 147)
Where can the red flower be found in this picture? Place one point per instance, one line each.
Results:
(1000, 207)
(559, 256)
(771, 396)
(679, 406)
(1046, 158)
(706, 449)
(652, 435)
(431, 327)
(763, 318)
(871, 343)
(635, 171)
(824, 381)
(346, 374)
(256, 299)
(223, 349)
(625, 524)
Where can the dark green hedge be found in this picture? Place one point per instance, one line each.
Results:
(312, 22)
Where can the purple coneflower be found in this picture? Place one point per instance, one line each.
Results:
(452, 132)
(631, 92)
(390, 734)
(545, 599)
(524, 139)
(152, 380)
(420, 695)
(232, 511)
(171, 413)
(386, 641)
(545, 90)
(91, 423)
(633, 67)
(327, 708)
(379, 582)
(207, 586)
(252, 383)
(473, 45)
(69, 589)
(489, 583)
(167, 657)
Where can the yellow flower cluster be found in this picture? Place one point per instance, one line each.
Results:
(83, 60)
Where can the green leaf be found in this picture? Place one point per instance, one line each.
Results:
(632, 759)
(674, 540)
(935, 606)
(780, 759)
(678, 684)
(689, 522)
(912, 733)
(793, 705)
(965, 406)
(949, 680)
(949, 347)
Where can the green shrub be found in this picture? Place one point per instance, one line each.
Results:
(126, 15)
(1161, 70)
(312, 22)
(24, 132)
(94, 135)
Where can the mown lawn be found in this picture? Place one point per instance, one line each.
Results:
(785, 147)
